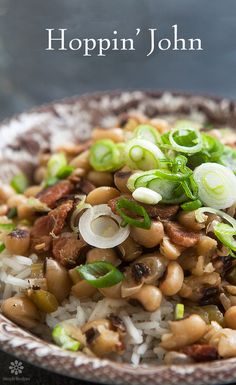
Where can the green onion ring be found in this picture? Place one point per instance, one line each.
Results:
(100, 274)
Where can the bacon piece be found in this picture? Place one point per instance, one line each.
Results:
(40, 235)
(160, 211)
(52, 194)
(179, 235)
(67, 249)
(201, 353)
(52, 223)
(85, 186)
(59, 215)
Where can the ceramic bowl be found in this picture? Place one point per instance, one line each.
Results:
(20, 139)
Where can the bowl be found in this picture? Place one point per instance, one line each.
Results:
(21, 138)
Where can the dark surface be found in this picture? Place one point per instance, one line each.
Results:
(32, 375)
(29, 75)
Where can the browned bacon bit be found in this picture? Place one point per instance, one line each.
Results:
(161, 211)
(208, 295)
(52, 194)
(85, 186)
(201, 353)
(140, 270)
(179, 235)
(40, 235)
(67, 249)
(117, 323)
(59, 215)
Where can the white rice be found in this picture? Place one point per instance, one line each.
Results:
(144, 329)
(14, 273)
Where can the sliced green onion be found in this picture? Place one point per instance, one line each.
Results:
(100, 274)
(216, 185)
(12, 213)
(147, 132)
(228, 158)
(37, 205)
(171, 192)
(143, 155)
(187, 140)
(124, 203)
(61, 338)
(56, 163)
(190, 206)
(105, 155)
(179, 311)
(57, 168)
(65, 171)
(225, 233)
(145, 195)
(201, 217)
(7, 227)
(2, 247)
(20, 183)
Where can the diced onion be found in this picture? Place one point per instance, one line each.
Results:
(100, 227)
(216, 185)
(142, 154)
(145, 195)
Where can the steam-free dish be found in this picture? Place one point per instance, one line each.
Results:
(123, 246)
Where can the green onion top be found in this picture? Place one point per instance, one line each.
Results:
(133, 207)
(20, 183)
(100, 274)
(179, 311)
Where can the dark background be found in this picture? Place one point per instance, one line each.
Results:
(29, 75)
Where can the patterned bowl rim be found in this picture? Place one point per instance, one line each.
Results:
(24, 345)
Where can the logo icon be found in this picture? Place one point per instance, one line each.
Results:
(16, 367)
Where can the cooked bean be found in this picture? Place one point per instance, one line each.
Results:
(156, 264)
(107, 255)
(169, 249)
(82, 289)
(3, 209)
(230, 317)
(81, 161)
(149, 296)
(21, 311)
(184, 332)
(130, 285)
(45, 301)
(16, 200)
(148, 238)
(32, 191)
(129, 250)
(173, 280)
(101, 339)
(115, 134)
(206, 246)
(40, 174)
(188, 220)
(121, 178)
(101, 195)
(58, 280)
(99, 178)
(6, 192)
(112, 292)
(18, 241)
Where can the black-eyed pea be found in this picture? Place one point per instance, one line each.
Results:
(148, 238)
(99, 178)
(106, 255)
(149, 297)
(102, 195)
(81, 161)
(115, 134)
(173, 279)
(230, 317)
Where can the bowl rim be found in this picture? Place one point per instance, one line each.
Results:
(136, 375)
